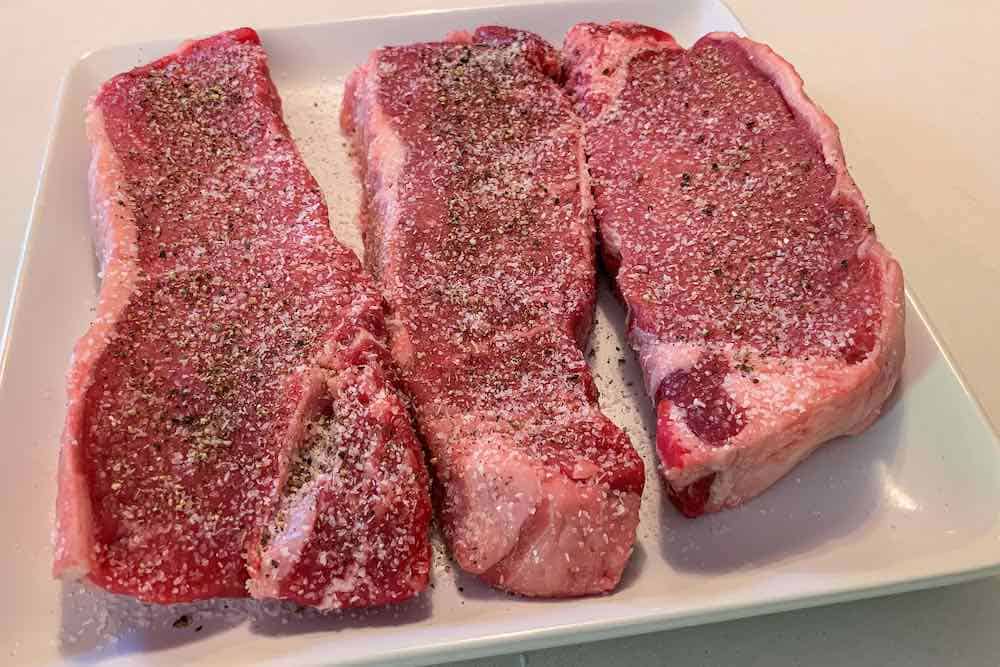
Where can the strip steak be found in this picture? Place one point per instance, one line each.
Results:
(477, 225)
(229, 417)
(767, 317)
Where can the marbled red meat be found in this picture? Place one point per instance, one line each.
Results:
(230, 424)
(477, 224)
(766, 315)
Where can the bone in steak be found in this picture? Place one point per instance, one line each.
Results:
(229, 418)
(766, 316)
(477, 224)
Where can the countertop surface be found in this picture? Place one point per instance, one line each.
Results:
(909, 84)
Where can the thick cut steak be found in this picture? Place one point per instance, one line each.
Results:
(766, 316)
(477, 224)
(230, 425)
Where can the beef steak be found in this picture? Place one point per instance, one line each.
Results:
(766, 316)
(477, 225)
(229, 417)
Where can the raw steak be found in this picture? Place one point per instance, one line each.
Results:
(766, 316)
(229, 416)
(477, 224)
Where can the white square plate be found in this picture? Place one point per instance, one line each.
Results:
(912, 503)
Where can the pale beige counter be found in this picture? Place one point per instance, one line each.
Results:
(911, 85)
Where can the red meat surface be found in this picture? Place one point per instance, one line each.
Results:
(767, 317)
(477, 225)
(230, 426)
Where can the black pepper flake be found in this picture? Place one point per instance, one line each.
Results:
(182, 622)
(685, 180)
(844, 264)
